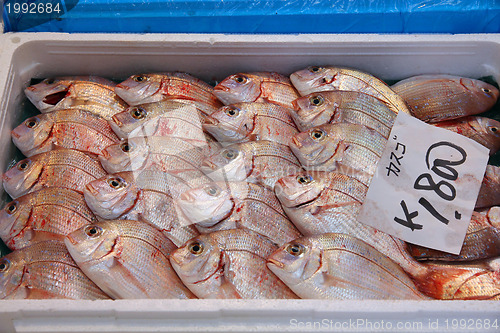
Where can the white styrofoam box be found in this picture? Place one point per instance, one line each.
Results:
(213, 57)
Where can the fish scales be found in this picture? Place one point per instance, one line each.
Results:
(339, 266)
(48, 213)
(153, 153)
(166, 118)
(434, 98)
(250, 121)
(45, 270)
(268, 87)
(343, 106)
(482, 240)
(79, 130)
(147, 196)
(483, 130)
(61, 168)
(237, 205)
(232, 264)
(316, 79)
(127, 259)
(323, 202)
(149, 88)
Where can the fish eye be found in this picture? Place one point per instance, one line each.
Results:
(23, 165)
(116, 183)
(212, 191)
(315, 69)
(486, 90)
(31, 123)
(126, 147)
(11, 208)
(50, 81)
(4, 265)
(138, 113)
(494, 129)
(93, 231)
(316, 100)
(240, 79)
(139, 78)
(295, 249)
(196, 247)
(232, 112)
(317, 134)
(304, 179)
(230, 154)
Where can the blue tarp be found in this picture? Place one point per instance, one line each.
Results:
(244, 16)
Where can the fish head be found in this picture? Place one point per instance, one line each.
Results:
(313, 79)
(19, 179)
(315, 147)
(198, 260)
(489, 132)
(139, 89)
(241, 87)
(487, 94)
(313, 110)
(13, 218)
(112, 196)
(302, 188)
(295, 261)
(93, 243)
(206, 205)
(49, 92)
(229, 163)
(231, 123)
(128, 155)
(123, 123)
(32, 133)
(12, 271)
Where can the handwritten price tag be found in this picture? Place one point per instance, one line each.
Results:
(426, 185)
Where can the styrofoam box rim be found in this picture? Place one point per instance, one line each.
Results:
(212, 57)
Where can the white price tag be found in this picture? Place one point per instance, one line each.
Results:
(426, 185)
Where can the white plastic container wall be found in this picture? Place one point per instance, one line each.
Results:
(213, 57)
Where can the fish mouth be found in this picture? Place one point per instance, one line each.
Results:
(92, 189)
(176, 260)
(71, 240)
(117, 121)
(119, 86)
(222, 88)
(208, 165)
(15, 134)
(276, 263)
(55, 98)
(296, 142)
(211, 121)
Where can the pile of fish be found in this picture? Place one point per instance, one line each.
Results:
(163, 186)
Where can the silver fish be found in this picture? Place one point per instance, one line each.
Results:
(244, 122)
(351, 149)
(343, 106)
(340, 266)
(229, 264)
(73, 129)
(146, 196)
(45, 270)
(317, 78)
(438, 97)
(127, 259)
(322, 202)
(261, 162)
(60, 167)
(166, 154)
(235, 205)
(50, 213)
(267, 87)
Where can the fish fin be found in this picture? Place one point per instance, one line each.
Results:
(227, 289)
(253, 137)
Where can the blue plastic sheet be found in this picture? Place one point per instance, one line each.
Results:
(243, 16)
